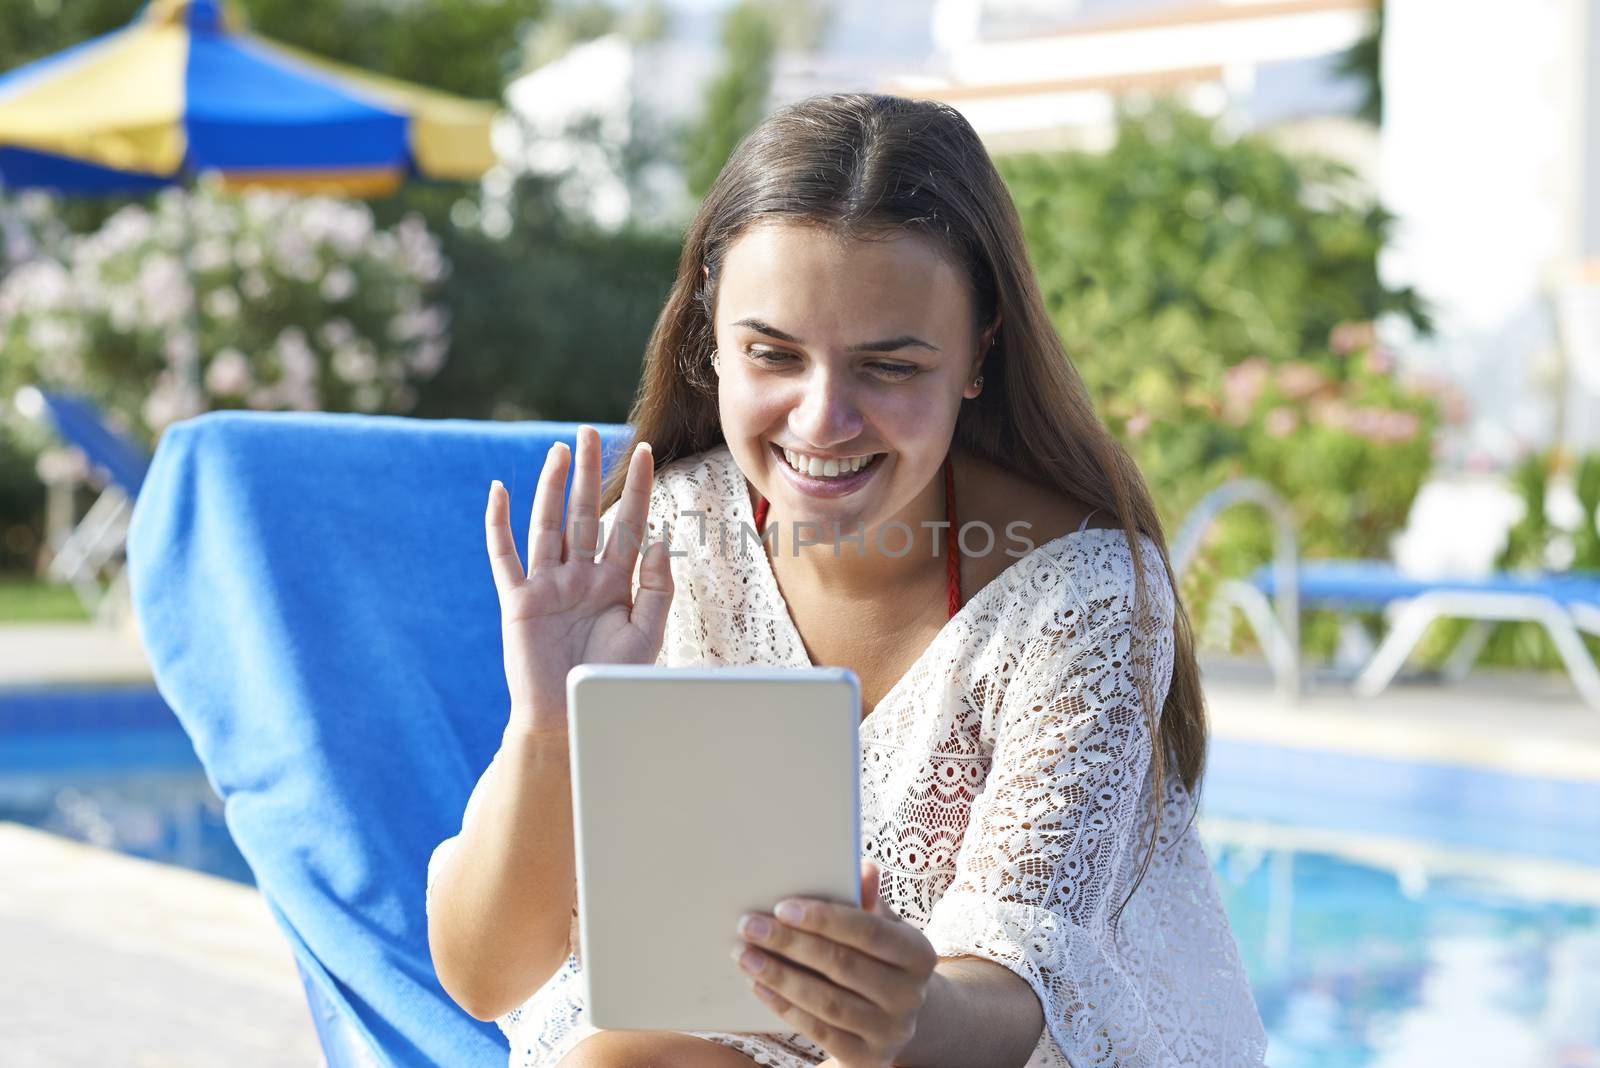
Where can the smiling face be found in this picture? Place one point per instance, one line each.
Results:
(839, 349)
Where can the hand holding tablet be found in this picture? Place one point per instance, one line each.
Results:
(862, 972)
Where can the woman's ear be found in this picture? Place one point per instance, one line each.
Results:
(989, 334)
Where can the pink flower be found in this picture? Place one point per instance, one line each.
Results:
(1379, 361)
(1281, 422)
(1241, 385)
(1348, 337)
(1300, 380)
(1330, 414)
(228, 373)
(1399, 427)
(1386, 426)
(1137, 424)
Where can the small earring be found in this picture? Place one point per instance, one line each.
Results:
(977, 383)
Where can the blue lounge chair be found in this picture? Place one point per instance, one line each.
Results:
(1566, 605)
(84, 552)
(315, 599)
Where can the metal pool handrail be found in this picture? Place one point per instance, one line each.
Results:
(1277, 626)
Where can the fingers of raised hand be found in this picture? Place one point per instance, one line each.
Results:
(626, 536)
(583, 504)
(504, 563)
(544, 523)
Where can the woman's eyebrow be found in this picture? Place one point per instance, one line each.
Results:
(886, 345)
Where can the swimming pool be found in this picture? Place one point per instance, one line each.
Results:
(111, 766)
(1384, 917)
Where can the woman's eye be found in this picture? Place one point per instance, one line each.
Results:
(895, 370)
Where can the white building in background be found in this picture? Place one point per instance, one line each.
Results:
(1027, 73)
(1491, 159)
(578, 115)
(625, 89)
(1040, 76)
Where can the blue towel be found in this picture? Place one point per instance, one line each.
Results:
(314, 594)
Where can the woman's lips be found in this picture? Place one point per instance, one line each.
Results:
(825, 487)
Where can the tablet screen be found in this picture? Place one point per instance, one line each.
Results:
(699, 794)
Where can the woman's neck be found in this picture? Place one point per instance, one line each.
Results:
(873, 565)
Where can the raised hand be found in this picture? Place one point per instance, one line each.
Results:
(572, 607)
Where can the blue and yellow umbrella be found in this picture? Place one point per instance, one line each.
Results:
(185, 89)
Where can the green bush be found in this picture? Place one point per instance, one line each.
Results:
(1218, 297)
(548, 321)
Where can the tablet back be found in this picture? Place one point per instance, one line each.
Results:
(699, 794)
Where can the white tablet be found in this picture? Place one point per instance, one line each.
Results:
(699, 794)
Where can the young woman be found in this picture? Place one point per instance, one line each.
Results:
(856, 359)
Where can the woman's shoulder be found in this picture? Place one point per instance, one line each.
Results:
(1077, 570)
(1051, 537)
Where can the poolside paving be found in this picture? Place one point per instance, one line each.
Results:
(46, 654)
(1515, 722)
(109, 960)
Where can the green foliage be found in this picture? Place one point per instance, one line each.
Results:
(1363, 63)
(1537, 542)
(1217, 297)
(566, 24)
(22, 498)
(549, 322)
(737, 97)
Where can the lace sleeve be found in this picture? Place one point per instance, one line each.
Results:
(1037, 873)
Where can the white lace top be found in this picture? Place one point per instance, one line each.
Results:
(1003, 788)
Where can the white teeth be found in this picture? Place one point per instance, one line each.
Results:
(831, 468)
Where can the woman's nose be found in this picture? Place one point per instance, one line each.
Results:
(827, 413)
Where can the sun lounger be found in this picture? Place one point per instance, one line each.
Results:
(1566, 605)
(83, 552)
(315, 599)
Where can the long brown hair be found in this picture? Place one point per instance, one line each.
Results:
(862, 165)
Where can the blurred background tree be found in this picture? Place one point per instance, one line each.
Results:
(548, 317)
(1363, 63)
(1217, 295)
(737, 97)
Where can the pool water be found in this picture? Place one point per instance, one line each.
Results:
(1353, 966)
(112, 767)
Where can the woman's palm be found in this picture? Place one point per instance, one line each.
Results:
(572, 607)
